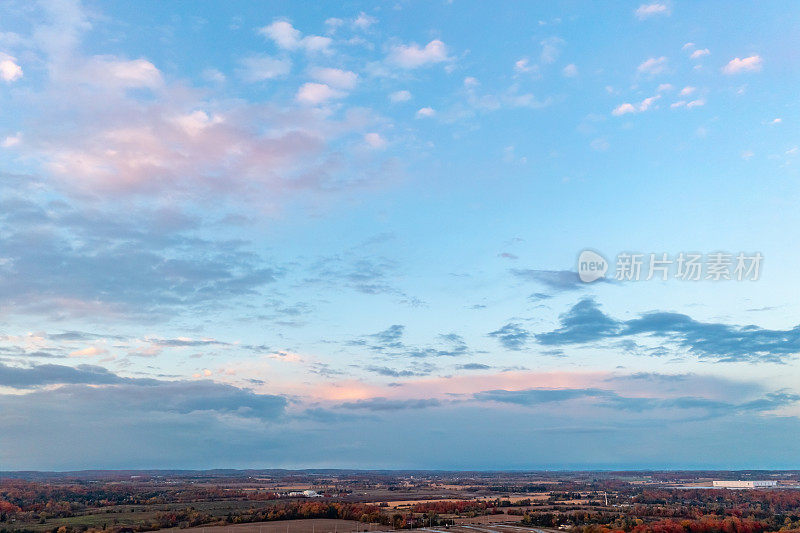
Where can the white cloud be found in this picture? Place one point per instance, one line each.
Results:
(261, 68)
(688, 46)
(375, 140)
(697, 54)
(196, 122)
(653, 66)
(333, 23)
(551, 49)
(13, 140)
(286, 36)
(426, 112)
(364, 21)
(642, 106)
(341, 79)
(651, 10)
(283, 34)
(748, 64)
(89, 352)
(776, 121)
(687, 90)
(213, 75)
(115, 73)
(570, 71)
(747, 154)
(696, 103)
(400, 96)
(136, 73)
(624, 109)
(523, 65)
(10, 71)
(316, 93)
(412, 56)
(664, 87)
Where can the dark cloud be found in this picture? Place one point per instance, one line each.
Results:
(473, 366)
(390, 342)
(611, 399)
(417, 370)
(555, 280)
(368, 275)
(38, 375)
(539, 396)
(178, 343)
(512, 336)
(586, 323)
(385, 404)
(389, 338)
(93, 259)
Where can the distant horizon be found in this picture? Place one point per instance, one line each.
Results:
(398, 470)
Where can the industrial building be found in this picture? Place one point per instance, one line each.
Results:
(744, 484)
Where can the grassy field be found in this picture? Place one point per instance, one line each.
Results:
(315, 525)
(132, 515)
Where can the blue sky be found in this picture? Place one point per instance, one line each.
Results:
(346, 234)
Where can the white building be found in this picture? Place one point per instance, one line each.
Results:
(744, 484)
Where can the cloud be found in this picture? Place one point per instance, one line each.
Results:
(653, 66)
(413, 56)
(287, 37)
(512, 336)
(375, 140)
(385, 404)
(570, 71)
(263, 68)
(390, 342)
(697, 54)
(612, 400)
(400, 96)
(390, 337)
(551, 49)
(88, 352)
(473, 366)
(646, 11)
(316, 93)
(41, 375)
(748, 64)
(586, 323)
(391, 372)
(341, 79)
(524, 65)
(644, 105)
(426, 112)
(10, 71)
(367, 275)
(364, 21)
(556, 280)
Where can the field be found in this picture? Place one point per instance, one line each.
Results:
(314, 525)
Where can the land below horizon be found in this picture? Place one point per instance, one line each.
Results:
(344, 501)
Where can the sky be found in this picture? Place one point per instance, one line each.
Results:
(347, 234)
